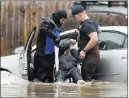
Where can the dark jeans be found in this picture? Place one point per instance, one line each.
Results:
(43, 67)
(64, 74)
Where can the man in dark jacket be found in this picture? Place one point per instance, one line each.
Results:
(48, 37)
(68, 61)
(89, 47)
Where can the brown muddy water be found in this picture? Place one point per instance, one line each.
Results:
(12, 86)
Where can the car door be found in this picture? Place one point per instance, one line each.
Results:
(113, 62)
(26, 67)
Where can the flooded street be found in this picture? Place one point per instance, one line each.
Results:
(32, 32)
(12, 86)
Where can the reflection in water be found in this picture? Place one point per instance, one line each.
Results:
(15, 87)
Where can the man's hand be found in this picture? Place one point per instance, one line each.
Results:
(72, 43)
(82, 54)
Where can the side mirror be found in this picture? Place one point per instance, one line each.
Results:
(18, 50)
(102, 45)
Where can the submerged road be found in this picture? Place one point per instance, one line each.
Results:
(12, 86)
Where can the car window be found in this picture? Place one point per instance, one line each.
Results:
(125, 43)
(113, 40)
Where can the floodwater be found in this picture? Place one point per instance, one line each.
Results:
(12, 86)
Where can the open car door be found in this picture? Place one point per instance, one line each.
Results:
(26, 67)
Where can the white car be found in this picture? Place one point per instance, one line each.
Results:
(113, 54)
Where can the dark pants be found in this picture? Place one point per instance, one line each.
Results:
(87, 70)
(64, 74)
(43, 67)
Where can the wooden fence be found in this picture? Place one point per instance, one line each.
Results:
(19, 17)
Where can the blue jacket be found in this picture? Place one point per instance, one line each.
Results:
(47, 34)
(50, 42)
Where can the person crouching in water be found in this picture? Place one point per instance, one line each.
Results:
(68, 61)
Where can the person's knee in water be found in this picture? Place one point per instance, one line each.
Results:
(48, 37)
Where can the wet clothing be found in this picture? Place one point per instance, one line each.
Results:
(68, 66)
(48, 32)
(64, 74)
(44, 66)
(92, 58)
(44, 58)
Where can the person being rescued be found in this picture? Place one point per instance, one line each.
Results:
(68, 61)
